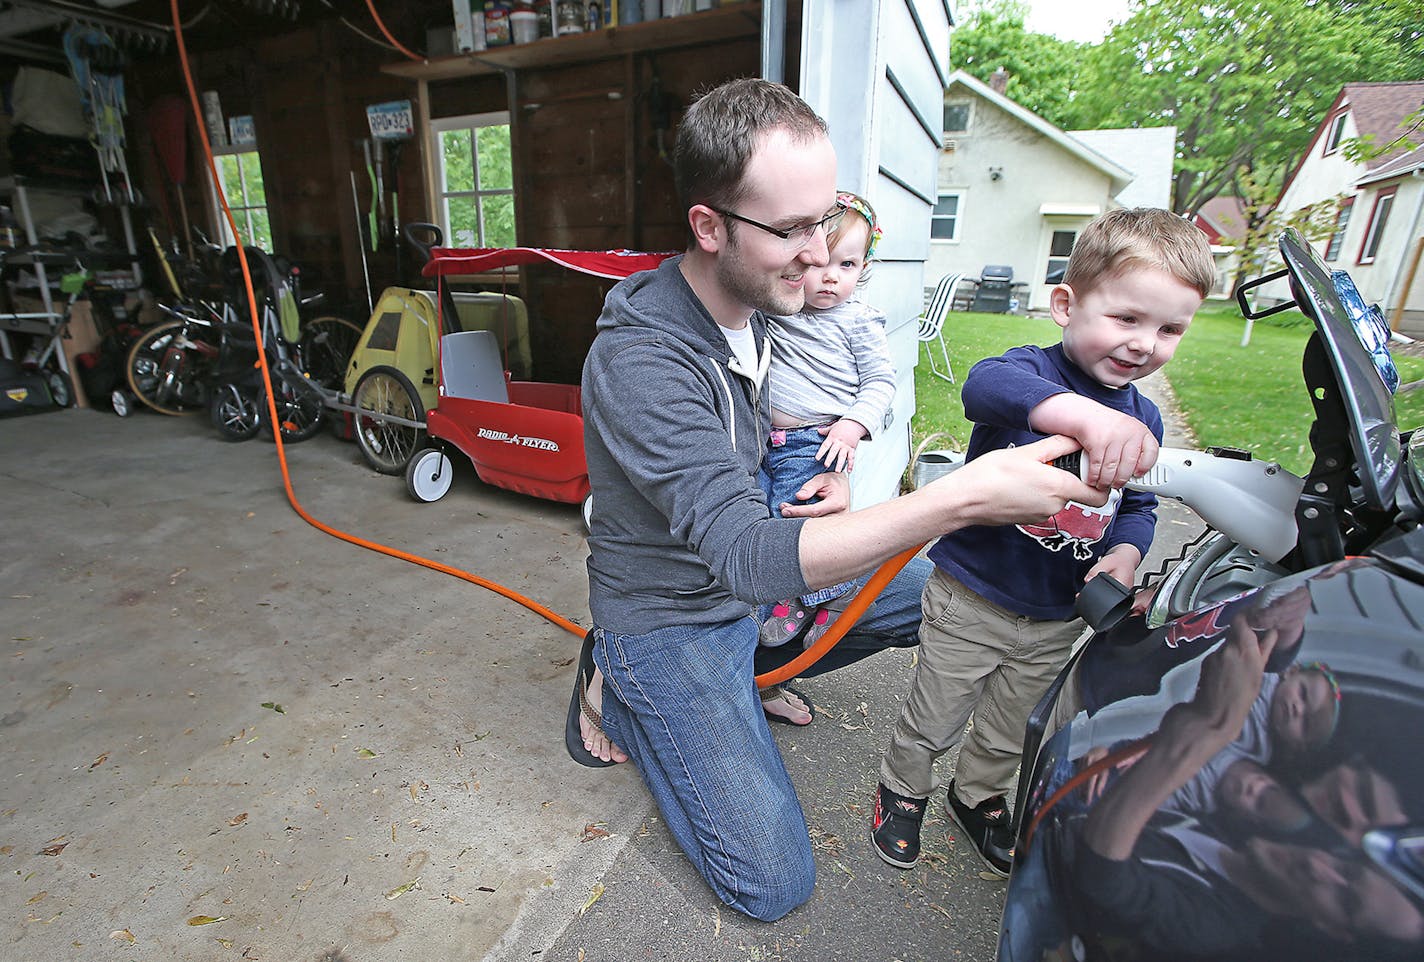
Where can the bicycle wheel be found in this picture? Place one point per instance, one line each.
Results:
(234, 412)
(300, 412)
(326, 347)
(168, 371)
(386, 445)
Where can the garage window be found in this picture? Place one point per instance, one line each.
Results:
(476, 180)
(241, 174)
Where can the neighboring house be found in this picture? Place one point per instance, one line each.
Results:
(1146, 152)
(1377, 234)
(1223, 220)
(1016, 190)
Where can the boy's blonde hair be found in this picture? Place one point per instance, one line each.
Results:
(1140, 238)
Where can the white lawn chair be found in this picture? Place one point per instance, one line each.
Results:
(931, 323)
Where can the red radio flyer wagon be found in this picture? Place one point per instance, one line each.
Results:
(524, 436)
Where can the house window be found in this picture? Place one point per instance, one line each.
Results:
(956, 116)
(1059, 247)
(476, 179)
(1335, 132)
(240, 176)
(1342, 220)
(1384, 201)
(944, 223)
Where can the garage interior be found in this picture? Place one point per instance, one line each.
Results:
(230, 736)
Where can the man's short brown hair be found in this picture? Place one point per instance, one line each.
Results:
(720, 131)
(1140, 238)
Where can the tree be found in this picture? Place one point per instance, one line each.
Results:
(1261, 224)
(1042, 69)
(1243, 81)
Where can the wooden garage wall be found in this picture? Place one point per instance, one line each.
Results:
(307, 92)
(590, 165)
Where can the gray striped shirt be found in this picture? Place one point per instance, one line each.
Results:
(832, 364)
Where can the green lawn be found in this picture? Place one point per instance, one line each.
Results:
(1251, 397)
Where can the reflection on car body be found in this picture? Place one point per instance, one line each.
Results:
(1242, 782)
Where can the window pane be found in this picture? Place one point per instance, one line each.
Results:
(1372, 242)
(948, 205)
(1337, 239)
(1062, 243)
(496, 167)
(458, 161)
(1337, 129)
(462, 214)
(499, 220)
(231, 176)
(956, 117)
(259, 234)
(256, 191)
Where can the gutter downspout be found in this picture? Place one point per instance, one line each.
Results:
(773, 40)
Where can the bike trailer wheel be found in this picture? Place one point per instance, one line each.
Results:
(384, 392)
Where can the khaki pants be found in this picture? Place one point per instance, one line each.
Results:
(975, 659)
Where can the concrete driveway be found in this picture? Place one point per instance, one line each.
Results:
(214, 711)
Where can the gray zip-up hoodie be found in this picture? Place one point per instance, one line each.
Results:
(674, 431)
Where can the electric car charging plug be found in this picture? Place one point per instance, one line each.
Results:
(1250, 501)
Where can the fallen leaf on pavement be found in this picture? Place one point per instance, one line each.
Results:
(275, 707)
(594, 895)
(36, 898)
(400, 890)
(123, 935)
(237, 819)
(365, 753)
(99, 761)
(206, 919)
(54, 848)
(593, 831)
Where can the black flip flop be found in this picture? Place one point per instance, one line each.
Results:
(573, 738)
(777, 719)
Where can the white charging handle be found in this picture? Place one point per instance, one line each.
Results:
(1250, 501)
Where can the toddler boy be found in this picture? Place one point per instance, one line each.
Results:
(999, 609)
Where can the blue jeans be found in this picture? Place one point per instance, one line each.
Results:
(682, 703)
(784, 469)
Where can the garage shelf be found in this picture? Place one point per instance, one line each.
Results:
(732, 22)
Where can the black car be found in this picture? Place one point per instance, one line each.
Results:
(1235, 775)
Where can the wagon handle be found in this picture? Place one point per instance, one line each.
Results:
(423, 237)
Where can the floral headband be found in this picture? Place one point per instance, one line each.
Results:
(863, 209)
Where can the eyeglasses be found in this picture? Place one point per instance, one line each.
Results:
(796, 238)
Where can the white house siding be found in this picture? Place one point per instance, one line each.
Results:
(1148, 152)
(876, 70)
(1002, 219)
(1322, 177)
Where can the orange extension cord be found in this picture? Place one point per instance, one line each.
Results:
(807, 658)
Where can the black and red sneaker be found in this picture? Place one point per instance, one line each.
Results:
(987, 827)
(896, 828)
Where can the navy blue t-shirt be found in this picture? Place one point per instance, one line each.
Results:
(1037, 570)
